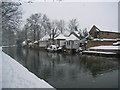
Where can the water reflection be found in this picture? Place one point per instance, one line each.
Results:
(62, 70)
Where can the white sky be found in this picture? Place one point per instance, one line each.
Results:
(102, 14)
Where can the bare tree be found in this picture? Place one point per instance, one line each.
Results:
(11, 16)
(53, 30)
(25, 31)
(73, 25)
(83, 33)
(35, 25)
(61, 25)
(46, 23)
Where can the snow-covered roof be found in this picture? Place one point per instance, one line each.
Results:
(110, 31)
(72, 37)
(104, 28)
(46, 37)
(76, 32)
(96, 39)
(60, 36)
(36, 42)
(97, 30)
(106, 47)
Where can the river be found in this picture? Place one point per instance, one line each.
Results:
(63, 70)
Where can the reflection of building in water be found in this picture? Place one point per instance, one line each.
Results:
(99, 64)
(60, 67)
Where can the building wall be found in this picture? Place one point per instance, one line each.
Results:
(72, 44)
(60, 42)
(110, 35)
(97, 33)
(94, 33)
(43, 44)
(99, 43)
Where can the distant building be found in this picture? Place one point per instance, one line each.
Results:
(43, 42)
(99, 42)
(76, 33)
(102, 34)
(72, 43)
(102, 37)
(60, 40)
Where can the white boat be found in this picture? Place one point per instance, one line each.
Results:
(54, 48)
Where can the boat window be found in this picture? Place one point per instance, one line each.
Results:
(51, 47)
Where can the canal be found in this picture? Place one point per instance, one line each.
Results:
(68, 71)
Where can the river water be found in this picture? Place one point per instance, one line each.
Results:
(62, 70)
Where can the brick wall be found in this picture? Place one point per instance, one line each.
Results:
(99, 43)
(110, 35)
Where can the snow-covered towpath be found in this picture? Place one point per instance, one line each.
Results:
(14, 75)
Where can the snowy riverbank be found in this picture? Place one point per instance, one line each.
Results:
(14, 75)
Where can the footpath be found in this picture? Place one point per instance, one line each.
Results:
(14, 75)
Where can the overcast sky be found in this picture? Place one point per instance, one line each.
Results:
(102, 14)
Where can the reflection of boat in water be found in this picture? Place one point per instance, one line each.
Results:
(54, 48)
(53, 55)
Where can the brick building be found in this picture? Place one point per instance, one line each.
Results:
(103, 34)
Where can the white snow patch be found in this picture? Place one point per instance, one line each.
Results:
(76, 32)
(24, 43)
(99, 52)
(106, 47)
(117, 43)
(110, 31)
(105, 39)
(14, 75)
(72, 37)
(30, 43)
(66, 33)
(97, 30)
(46, 37)
(60, 36)
(36, 42)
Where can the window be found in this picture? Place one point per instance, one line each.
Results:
(68, 43)
(96, 34)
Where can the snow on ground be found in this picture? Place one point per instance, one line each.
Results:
(106, 47)
(14, 75)
(99, 52)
